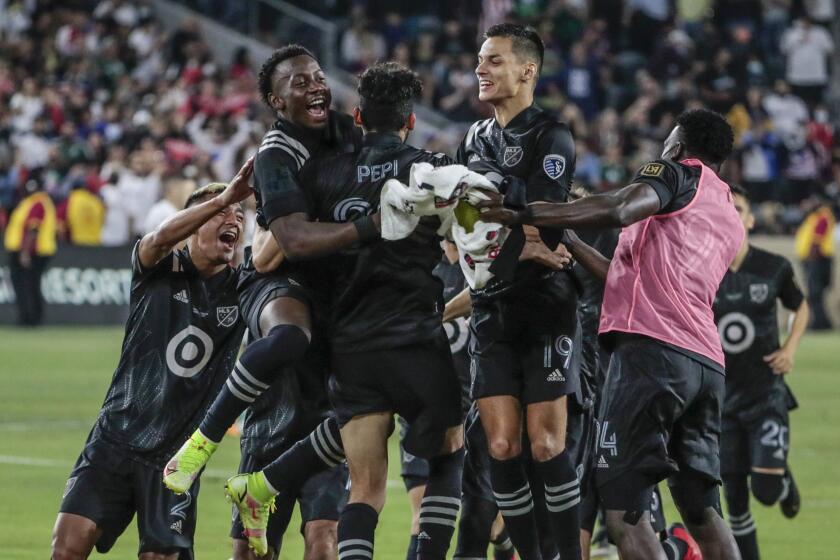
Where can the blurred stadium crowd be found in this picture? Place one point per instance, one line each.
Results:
(118, 119)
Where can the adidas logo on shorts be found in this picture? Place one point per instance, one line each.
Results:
(779, 454)
(556, 375)
(181, 296)
(602, 463)
(424, 535)
(177, 527)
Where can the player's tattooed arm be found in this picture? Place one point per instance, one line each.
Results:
(265, 252)
(781, 361)
(301, 239)
(588, 257)
(609, 210)
(156, 244)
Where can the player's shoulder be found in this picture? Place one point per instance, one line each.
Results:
(437, 159)
(281, 140)
(478, 129)
(768, 261)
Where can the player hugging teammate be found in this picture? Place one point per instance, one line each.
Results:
(325, 298)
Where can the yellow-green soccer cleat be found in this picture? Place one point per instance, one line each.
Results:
(185, 466)
(253, 513)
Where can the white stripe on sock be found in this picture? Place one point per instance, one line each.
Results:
(247, 375)
(239, 395)
(437, 521)
(564, 507)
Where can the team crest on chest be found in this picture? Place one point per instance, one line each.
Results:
(512, 156)
(554, 165)
(759, 292)
(227, 315)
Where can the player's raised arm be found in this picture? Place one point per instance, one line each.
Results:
(155, 245)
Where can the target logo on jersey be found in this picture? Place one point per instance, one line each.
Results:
(351, 209)
(188, 352)
(737, 332)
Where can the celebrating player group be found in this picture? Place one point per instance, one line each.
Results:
(618, 340)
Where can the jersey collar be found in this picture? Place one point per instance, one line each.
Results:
(309, 138)
(382, 139)
(521, 119)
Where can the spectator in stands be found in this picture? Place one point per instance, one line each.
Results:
(30, 240)
(82, 215)
(806, 47)
(139, 186)
(815, 249)
(361, 46)
(176, 191)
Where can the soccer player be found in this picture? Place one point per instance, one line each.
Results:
(660, 413)
(276, 304)
(522, 329)
(182, 335)
(755, 436)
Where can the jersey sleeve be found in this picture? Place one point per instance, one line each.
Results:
(662, 177)
(275, 178)
(551, 177)
(789, 293)
(140, 272)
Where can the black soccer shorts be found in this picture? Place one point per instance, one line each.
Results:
(413, 470)
(523, 348)
(759, 437)
(416, 381)
(256, 290)
(108, 486)
(321, 497)
(659, 414)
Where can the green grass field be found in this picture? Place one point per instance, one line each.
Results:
(52, 382)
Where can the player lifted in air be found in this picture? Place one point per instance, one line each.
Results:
(755, 436)
(277, 302)
(522, 329)
(181, 338)
(664, 392)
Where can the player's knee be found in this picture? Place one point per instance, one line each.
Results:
(502, 448)
(546, 447)
(320, 539)
(697, 498)
(288, 341)
(158, 556)
(767, 488)
(62, 551)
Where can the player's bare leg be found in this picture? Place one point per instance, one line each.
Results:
(74, 537)
(501, 417)
(634, 536)
(320, 538)
(241, 551)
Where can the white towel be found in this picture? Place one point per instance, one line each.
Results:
(435, 191)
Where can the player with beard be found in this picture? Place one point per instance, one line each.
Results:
(522, 329)
(277, 302)
(181, 338)
(756, 436)
(665, 381)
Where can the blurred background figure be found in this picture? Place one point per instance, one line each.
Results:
(815, 249)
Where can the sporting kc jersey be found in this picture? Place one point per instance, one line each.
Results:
(181, 340)
(747, 320)
(282, 153)
(384, 294)
(536, 152)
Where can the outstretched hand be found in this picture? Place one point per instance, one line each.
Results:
(240, 187)
(493, 210)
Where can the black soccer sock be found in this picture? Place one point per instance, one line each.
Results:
(513, 496)
(562, 497)
(356, 526)
(319, 451)
(737, 495)
(675, 549)
(262, 362)
(440, 505)
(477, 516)
(412, 548)
(503, 546)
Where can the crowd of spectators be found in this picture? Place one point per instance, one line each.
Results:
(96, 97)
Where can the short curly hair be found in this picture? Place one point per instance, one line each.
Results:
(387, 91)
(706, 134)
(278, 56)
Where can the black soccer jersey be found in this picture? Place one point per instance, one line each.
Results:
(536, 149)
(181, 340)
(746, 316)
(282, 153)
(384, 294)
(675, 184)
